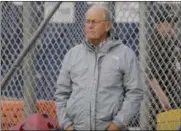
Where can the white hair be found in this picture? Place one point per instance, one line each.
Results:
(107, 13)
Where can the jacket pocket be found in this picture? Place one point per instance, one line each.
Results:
(75, 110)
(70, 106)
(117, 107)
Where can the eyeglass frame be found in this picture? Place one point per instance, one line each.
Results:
(94, 22)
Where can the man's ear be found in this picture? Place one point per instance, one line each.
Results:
(159, 25)
(108, 26)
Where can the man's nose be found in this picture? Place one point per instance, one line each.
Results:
(90, 25)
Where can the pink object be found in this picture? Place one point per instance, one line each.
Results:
(37, 122)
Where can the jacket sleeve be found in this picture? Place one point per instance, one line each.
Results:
(133, 90)
(63, 92)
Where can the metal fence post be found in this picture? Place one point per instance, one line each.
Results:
(143, 43)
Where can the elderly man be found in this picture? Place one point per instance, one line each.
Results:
(99, 86)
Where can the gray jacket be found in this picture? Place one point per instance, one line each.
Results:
(98, 86)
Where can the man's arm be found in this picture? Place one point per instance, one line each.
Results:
(133, 90)
(63, 92)
(152, 72)
(160, 94)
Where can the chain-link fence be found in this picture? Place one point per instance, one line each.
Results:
(31, 87)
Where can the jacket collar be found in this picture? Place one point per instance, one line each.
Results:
(103, 47)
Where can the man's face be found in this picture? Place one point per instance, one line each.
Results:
(95, 24)
(166, 30)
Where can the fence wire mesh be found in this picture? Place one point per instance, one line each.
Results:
(32, 86)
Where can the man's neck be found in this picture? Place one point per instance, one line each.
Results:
(97, 42)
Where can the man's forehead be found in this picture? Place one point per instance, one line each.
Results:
(165, 24)
(96, 11)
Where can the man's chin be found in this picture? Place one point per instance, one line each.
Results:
(92, 38)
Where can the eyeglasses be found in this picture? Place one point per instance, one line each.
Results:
(94, 21)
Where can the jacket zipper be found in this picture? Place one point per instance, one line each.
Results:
(91, 122)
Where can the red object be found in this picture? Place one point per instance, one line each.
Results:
(37, 122)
